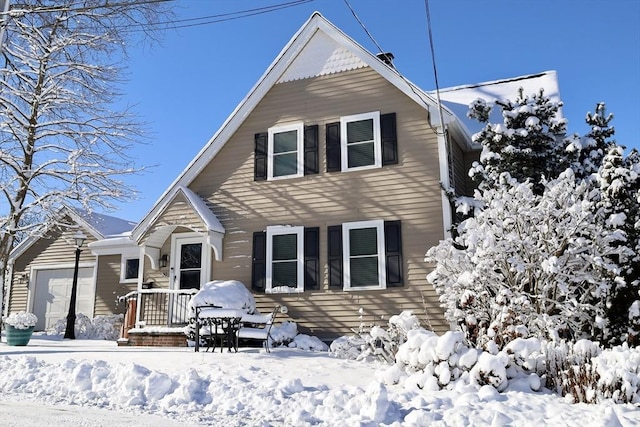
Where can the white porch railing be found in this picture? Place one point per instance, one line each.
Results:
(157, 307)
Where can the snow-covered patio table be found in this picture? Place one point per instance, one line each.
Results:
(219, 324)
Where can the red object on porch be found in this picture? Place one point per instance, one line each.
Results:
(129, 318)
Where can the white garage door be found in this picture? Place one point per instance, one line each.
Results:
(53, 293)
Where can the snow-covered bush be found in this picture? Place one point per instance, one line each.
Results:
(372, 342)
(99, 328)
(550, 245)
(589, 374)
(21, 320)
(583, 370)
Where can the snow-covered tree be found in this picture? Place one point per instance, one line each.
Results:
(545, 252)
(63, 136)
(618, 182)
(529, 143)
(528, 263)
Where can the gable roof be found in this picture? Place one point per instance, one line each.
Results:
(318, 48)
(100, 226)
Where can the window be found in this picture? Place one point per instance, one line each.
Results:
(365, 255)
(361, 141)
(129, 269)
(285, 259)
(286, 152)
(360, 136)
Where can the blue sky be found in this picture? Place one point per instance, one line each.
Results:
(188, 85)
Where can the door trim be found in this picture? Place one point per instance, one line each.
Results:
(177, 240)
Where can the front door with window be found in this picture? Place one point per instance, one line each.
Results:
(189, 269)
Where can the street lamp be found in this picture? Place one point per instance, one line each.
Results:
(70, 332)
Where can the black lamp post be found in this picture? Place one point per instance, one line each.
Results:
(70, 332)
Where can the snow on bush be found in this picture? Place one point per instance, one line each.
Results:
(583, 371)
(99, 328)
(373, 342)
(21, 320)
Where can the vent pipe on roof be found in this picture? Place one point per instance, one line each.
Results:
(386, 57)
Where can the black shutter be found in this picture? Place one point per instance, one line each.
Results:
(259, 264)
(260, 157)
(333, 147)
(311, 149)
(389, 139)
(311, 258)
(334, 245)
(393, 253)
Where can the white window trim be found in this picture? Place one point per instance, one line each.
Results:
(299, 127)
(377, 140)
(123, 269)
(346, 250)
(280, 230)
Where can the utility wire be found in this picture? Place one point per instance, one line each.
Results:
(414, 89)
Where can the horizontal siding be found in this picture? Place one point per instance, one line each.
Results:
(55, 248)
(409, 191)
(109, 288)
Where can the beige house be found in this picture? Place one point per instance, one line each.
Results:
(41, 269)
(322, 191)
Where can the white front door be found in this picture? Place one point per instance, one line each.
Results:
(52, 294)
(190, 268)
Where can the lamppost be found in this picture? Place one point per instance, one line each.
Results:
(70, 332)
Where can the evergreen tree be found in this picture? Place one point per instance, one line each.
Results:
(529, 143)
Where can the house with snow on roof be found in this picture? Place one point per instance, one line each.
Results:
(322, 191)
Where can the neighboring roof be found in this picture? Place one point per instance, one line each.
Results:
(458, 98)
(106, 225)
(317, 48)
(100, 226)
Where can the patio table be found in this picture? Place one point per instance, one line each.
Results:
(223, 325)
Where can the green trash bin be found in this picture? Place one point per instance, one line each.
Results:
(17, 336)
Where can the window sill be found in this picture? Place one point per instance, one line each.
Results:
(365, 288)
(284, 290)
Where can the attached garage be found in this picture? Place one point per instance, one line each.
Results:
(52, 294)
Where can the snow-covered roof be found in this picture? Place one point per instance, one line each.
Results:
(317, 48)
(102, 227)
(458, 98)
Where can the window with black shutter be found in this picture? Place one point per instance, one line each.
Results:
(259, 261)
(311, 258)
(389, 139)
(260, 157)
(393, 253)
(334, 246)
(311, 150)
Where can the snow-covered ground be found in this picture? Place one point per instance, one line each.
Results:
(95, 383)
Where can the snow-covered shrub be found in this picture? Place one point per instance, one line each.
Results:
(375, 342)
(590, 374)
(99, 328)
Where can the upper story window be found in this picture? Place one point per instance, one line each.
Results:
(129, 269)
(287, 151)
(285, 155)
(361, 141)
